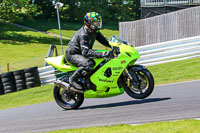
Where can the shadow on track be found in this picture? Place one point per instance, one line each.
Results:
(126, 103)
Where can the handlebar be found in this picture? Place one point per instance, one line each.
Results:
(115, 51)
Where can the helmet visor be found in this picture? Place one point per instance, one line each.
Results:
(98, 24)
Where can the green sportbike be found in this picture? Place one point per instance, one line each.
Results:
(109, 77)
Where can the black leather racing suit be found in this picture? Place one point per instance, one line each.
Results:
(79, 51)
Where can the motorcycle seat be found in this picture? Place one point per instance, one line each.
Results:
(60, 63)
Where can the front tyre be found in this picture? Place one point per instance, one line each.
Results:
(67, 99)
(141, 84)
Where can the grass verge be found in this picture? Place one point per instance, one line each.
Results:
(183, 126)
(178, 71)
(68, 29)
(22, 48)
(27, 97)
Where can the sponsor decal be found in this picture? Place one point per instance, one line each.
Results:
(105, 80)
(122, 62)
(106, 95)
(117, 68)
(114, 87)
(84, 40)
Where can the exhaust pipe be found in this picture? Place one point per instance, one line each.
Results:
(62, 84)
(66, 86)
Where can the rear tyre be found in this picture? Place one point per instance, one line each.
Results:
(145, 84)
(67, 99)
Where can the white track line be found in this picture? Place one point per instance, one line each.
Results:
(165, 121)
(179, 82)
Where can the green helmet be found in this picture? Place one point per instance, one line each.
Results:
(93, 20)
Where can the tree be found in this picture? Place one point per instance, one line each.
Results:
(122, 10)
(47, 8)
(16, 10)
(110, 10)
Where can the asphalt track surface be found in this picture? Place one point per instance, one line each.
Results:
(167, 102)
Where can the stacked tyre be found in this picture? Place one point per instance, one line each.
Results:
(8, 82)
(1, 87)
(32, 77)
(20, 80)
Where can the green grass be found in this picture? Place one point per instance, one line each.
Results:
(68, 29)
(23, 56)
(178, 71)
(183, 126)
(22, 48)
(27, 97)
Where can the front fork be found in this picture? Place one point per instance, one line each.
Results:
(132, 78)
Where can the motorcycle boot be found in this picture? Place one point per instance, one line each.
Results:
(73, 80)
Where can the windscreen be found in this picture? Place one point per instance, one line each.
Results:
(118, 40)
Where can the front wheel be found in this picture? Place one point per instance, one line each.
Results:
(67, 99)
(141, 83)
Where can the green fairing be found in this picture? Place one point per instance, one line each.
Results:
(59, 64)
(105, 86)
(117, 66)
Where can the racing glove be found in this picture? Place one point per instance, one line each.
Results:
(107, 54)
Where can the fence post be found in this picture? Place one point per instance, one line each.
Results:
(55, 50)
(7, 67)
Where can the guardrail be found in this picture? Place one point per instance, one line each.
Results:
(150, 55)
(47, 75)
(169, 51)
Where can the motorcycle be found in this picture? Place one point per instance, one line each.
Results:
(109, 77)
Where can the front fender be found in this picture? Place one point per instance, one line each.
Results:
(137, 68)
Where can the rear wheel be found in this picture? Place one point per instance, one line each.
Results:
(67, 99)
(141, 85)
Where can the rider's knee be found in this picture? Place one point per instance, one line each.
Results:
(89, 66)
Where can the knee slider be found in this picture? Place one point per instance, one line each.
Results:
(84, 72)
(89, 66)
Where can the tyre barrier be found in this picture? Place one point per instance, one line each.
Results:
(1, 87)
(32, 77)
(8, 81)
(19, 80)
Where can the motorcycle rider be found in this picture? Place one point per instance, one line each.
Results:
(79, 51)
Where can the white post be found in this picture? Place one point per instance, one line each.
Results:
(58, 5)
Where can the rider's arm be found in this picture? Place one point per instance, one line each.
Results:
(86, 51)
(100, 38)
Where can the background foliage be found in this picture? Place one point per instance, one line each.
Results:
(17, 10)
(112, 11)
